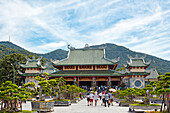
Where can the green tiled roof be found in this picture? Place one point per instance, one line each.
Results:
(86, 57)
(153, 74)
(138, 73)
(30, 74)
(86, 73)
(137, 63)
(30, 64)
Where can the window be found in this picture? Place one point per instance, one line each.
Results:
(101, 67)
(69, 67)
(85, 67)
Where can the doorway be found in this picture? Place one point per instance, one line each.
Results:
(101, 83)
(85, 84)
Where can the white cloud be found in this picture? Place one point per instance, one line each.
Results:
(48, 47)
(45, 26)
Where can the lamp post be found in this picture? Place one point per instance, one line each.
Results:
(13, 73)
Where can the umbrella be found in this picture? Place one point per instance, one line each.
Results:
(113, 90)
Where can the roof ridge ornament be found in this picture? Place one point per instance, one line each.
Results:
(86, 46)
(148, 62)
(130, 57)
(39, 58)
(116, 59)
(143, 57)
(70, 47)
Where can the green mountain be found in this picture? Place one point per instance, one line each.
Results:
(58, 54)
(11, 45)
(112, 51)
(4, 50)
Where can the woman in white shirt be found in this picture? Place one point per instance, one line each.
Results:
(91, 98)
(96, 98)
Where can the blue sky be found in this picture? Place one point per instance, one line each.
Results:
(44, 25)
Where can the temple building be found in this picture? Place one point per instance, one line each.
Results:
(136, 73)
(88, 67)
(31, 69)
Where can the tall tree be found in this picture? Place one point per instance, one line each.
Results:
(9, 67)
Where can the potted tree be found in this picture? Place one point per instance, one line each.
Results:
(146, 104)
(59, 89)
(129, 94)
(12, 96)
(42, 90)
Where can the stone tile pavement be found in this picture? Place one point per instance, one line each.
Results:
(81, 107)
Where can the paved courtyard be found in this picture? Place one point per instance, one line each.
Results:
(81, 107)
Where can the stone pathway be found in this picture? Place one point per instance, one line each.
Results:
(81, 107)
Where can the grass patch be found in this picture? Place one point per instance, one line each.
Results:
(131, 102)
(156, 98)
(26, 111)
(61, 100)
(145, 104)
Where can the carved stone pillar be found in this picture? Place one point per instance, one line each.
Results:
(109, 81)
(94, 82)
(75, 81)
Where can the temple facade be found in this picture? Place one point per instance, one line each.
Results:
(88, 67)
(136, 72)
(31, 69)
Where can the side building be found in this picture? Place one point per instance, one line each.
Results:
(136, 73)
(88, 67)
(31, 69)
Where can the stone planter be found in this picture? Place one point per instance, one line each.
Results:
(156, 101)
(42, 106)
(118, 100)
(131, 107)
(62, 103)
(74, 101)
(124, 104)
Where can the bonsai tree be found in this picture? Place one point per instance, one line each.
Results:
(73, 89)
(148, 89)
(43, 90)
(163, 88)
(10, 94)
(59, 87)
(129, 94)
(122, 94)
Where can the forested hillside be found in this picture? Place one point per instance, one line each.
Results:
(112, 51)
(7, 51)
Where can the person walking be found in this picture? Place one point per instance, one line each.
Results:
(96, 98)
(91, 98)
(88, 98)
(100, 95)
(111, 98)
(103, 98)
(107, 99)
